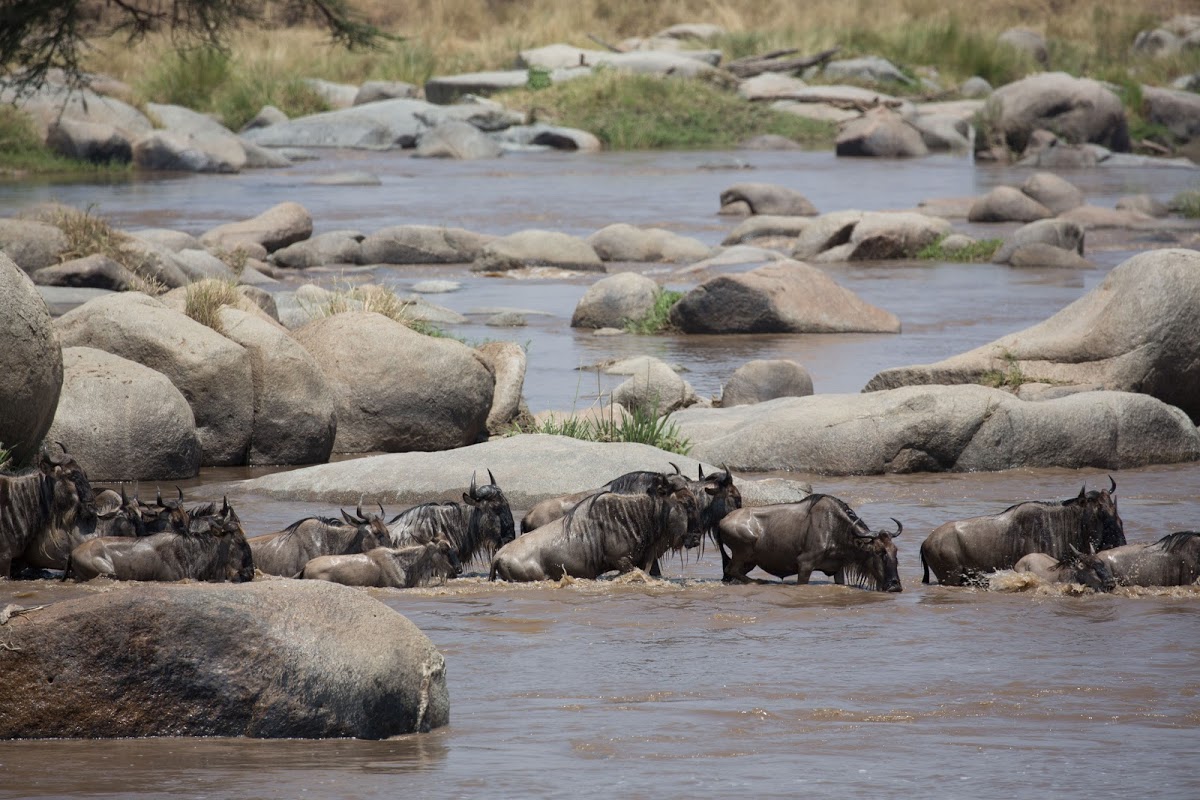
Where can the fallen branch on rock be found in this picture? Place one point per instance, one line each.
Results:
(776, 61)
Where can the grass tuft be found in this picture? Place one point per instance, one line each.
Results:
(1186, 204)
(22, 150)
(88, 234)
(640, 425)
(1010, 375)
(204, 300)
(977, 252)
(658, 319)
(378, 299)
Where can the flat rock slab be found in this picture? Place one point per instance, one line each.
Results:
(941, 429)
(529, 468)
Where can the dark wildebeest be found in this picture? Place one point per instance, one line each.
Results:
(1086, 569)
(286, 552)
(481, 523)
(1173, 560)
(603, 532)
(41, 509)
(959, 552)
(636, 482)
(384, 567)
(819, 532)
(201, 546)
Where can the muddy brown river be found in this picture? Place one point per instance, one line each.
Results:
(684, 686)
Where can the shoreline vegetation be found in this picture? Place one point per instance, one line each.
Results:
(268, 64)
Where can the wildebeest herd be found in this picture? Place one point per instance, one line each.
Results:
(52, 519)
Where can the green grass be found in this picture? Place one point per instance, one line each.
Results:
(22, 150)
(977, 252)
(640, 426)
(644, 112)
(658, 319)
(1187, 204)
(1008, 376)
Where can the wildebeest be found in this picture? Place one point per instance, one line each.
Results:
(481, 523)
(286, 552)
(636, 482)
(397, 568)
(960, 551)
(40, 509)
(604, 532)
(819, 532)
(1173, 560)
(202, 546)
(1085, 569)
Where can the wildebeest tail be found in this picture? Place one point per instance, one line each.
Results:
(67, 568)
(924, 566)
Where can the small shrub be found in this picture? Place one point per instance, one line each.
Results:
(1186, 204)
(1010, 375)
(658, 319)
(205, 299)
(640, 426)
(539, 78)
(977, 252)
(188, 78)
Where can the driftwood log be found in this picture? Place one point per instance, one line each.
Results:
(778, 61)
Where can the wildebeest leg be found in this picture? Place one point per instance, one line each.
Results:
(804, 568)
(839, 577)
(655, 570)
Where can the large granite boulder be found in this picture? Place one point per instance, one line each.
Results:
(96, 271)
(893, 234)
(274, 659)
(396, 389)
(682, 64)
(1006, 204)
(458, 140)
(783, 297)
(32, 245)
(1177, 111)
(169, 151)
(422, 244)
(275, 228)
(206, 132)
(212, 372)
(295, 417)
(333, 247)
(96, 142)
(765, 198)
(53, 103)
(612, 301)
(1053, 192)
(507, 362)
(1078, 109)
(629, 243)
(882, 133)
(1138, 331)
(767, 226)
(123, 421)
(537, 248)
(31, 364)
(654, 389)
(941, 428)
(1057, 233)
(765, 379)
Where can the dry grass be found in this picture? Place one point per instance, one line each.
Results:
(88, 233)
(371, 297)
(204, 300)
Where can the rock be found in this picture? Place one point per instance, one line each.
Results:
(956, 242)
(32, 245)
(266, 116)
(259, 157)
(818, 112)
(825, 232)
(655, 390)
(212, 372)
(628, 243)
(767, 142)
(337, 95)
(1055, 232)
(941, 429)
(354, 178)
(273, 659)
(698, 31)
(1006, 204)
(507, 361)
(334, 247)
(456, 139)
(552, 136)
(767, 226)
(1156, 43)
(436, 287)
(1144, 204)
(165, 237)
(1078, 109)
(783, 297)
(528, 467)
(123, 421)
(1048, 152)
(761, 380)
(506, 319)
(882, 133)
(1038, 254)
(1031, 43)
(156, 262)
(445, 89)
(536, 248)
(1052, 192)
(379, 126)
(294, 409)
(374, 91)
(31, 365)
(975, 87)
(1089, 217)
(54, 103)
(1104, 338)
(1177, 111)
(89, 141)
(945, 132)
(767, 198)
(261, 298)
(422, 244)
(96, 271)
(563, 56)
(166, 151)
(894, 234)
(871, 69)
(396, 389)
(729, 256)
(771, 86)
(211, 135)
(614, 300)
(277, 227)
(199, 265)
(61, 299)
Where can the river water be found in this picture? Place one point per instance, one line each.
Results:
(684, 686)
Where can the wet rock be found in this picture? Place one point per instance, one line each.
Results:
(956, 242)
(826, 231)
(334, 247)
(507, 319)
(458, 140)
(553, 136)
(212, 372)
(507, 362)
(213, 136)
(1104, 338)
(374, 91)
(1006, 204)
(422, 244)
(761, 380)
(32, 245)
(31, 365)
(1089, 217)
(167, 151)
(353, 178)
(941, 428)
(96, 142)
(767, 226)
(536, 248)
(396, 389)
(614, 300)
(893, 235)
(436, 287)
(1143, 204)
(783, 297)
(278, 659)
(657, 389)
(258, 157)
(945, 132)
(881, 133)
(94, 272)
(737, 254)
(628, 243)
(1038, 254)
(1054, 232)
(1053, 192)
(123, 421)
(1078, 109)
(445, 89)
(766, 198)
(277, 227)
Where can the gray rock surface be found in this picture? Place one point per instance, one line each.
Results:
(881, 133)
(445, 89)
(894, 235)
(123, 421)
(767, 198)
(765, 379)
(168, 151)
(614, 300)
(422, 244)
(96, 142)
(537, 248)
(333, 247)
(507, 362)
(94, 272)
(1006, 204)
(629, 243)
(458, 140)
(271, 659)
(374, 91)
(872, 69)
(1053, 192)
(1078, 109)
(277, 227)
(766, 226)
(1178, 111)
(32, 245)
(655, 389)
(1054, 232)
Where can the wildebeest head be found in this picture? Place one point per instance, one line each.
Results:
(879, 568)
(70, 492)
(371, 529)
(722, 498)
(235, 561)
(491, 519)
(118, 515)
(1087, 569)
(1101, 521)
(680, 500)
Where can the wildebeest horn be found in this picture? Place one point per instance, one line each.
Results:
(492, 477)
(700, 471)
(472, 491)
(158, 496)
(676, 466)
(382, 513)
(347, 517)
(224, 504)
(899, 528)
(1113, 488)
(1083, 490)
(1074, 550)
(728, 479)
(361, 517)
(124, 499)
(180, 492)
